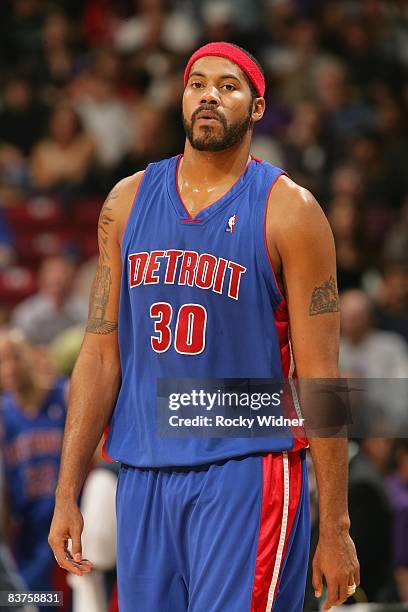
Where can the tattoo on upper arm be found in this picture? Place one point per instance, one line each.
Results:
(325, 298)
(99, 298)
(97, 324)
(105, 218)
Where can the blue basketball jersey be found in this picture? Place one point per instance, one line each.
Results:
(32, 447)
(198, 300)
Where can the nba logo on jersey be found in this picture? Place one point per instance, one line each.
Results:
(231, 224)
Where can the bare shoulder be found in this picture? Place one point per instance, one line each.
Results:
(122, 193)
(117, 206)
(295, 225)
(294, 215)
(129, 182)
(293, 205)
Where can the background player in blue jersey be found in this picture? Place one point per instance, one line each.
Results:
(32, 420)
(198, 276)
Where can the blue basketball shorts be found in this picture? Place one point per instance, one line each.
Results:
(232, 536)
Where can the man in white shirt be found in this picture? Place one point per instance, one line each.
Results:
(53, 308)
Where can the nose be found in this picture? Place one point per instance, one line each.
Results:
(210, 96)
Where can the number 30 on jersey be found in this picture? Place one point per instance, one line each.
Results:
(189, 325)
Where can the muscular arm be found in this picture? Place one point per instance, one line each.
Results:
(302, 249)
(96, 377)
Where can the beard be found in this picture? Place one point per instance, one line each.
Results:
(210, 139)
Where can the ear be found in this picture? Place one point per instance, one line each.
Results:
(258, 109)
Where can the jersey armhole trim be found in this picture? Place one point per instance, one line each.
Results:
(280, 294)
(131, 209)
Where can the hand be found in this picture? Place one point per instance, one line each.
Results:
(67, 524)
(335, 559)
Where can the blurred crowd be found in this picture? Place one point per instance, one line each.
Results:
(90, 92)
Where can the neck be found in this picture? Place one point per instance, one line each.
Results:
(209, 167)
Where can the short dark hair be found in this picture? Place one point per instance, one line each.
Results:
(254, 93)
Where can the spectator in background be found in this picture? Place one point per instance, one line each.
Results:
(154, 27)
(61, 163)
(22, 116)
(22, 120)
(366, 155)
(306, 152)
(392, 298)
(32, 419)
(345, 219)
(370, 516)
(56, 61)
(397, 483)
(295, 59)
(22, 30)
(344, 115)
(147, 141)
(361, 50)
(10, 580)
(219, 20)
(392, 309)
(364, 351)
(98, 21)
(105, 115)
(54, 308)
(392, 127)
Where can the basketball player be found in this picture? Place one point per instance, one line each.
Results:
(32, 422)
(198, 276)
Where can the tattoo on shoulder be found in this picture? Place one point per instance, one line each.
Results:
(325, 298)
(105, 219)
(97, 324)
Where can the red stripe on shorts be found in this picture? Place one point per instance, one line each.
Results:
(280, 499)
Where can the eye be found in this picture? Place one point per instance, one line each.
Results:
(229, 87)
(196, 84)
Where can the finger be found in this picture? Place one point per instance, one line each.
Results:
(317, 581)
(76, 545)
(344, 583)
(332, 594)
(63, 559)
(58, 546)
(84, 566)
(351, 585)
(86, 563)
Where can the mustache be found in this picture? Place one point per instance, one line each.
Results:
(210, 108)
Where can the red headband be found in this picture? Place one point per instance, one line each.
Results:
(232, 53)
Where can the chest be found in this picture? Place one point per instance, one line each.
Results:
(216, 253)
(197, 199)
(217, 256)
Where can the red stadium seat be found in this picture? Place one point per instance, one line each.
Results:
(16, 283)
(40, 213)
(34, 246)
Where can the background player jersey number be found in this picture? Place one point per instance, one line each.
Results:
(190, 327)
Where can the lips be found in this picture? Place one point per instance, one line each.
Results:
(207, 116)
